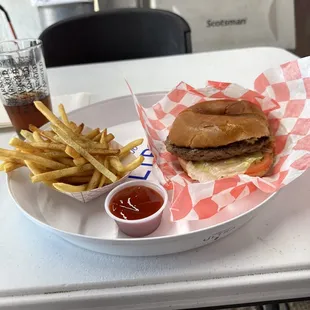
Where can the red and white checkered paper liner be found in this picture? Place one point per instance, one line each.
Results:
(283, 94)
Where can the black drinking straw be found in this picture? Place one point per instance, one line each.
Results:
(9, 21)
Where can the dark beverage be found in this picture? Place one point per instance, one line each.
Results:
(23, 112)
(23, 80)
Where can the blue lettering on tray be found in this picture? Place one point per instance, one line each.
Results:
(148, 172)
(134, 150)
(145, 164)
(145, 153)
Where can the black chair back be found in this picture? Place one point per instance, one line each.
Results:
(115, 35)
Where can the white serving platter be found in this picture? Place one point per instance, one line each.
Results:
(87, 225)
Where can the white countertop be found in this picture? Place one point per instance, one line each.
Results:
(267, 259)
(106, 80)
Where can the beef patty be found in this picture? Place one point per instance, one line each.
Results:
(217, 153)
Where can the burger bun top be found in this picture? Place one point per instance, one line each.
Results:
(217, 123)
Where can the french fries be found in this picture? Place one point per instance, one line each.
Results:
(85, 154)
(31, 157)
(119, 167)
(93, 133)
(27, 135)
(46, 134)
(48, 145)
(11, 166)
(54, 120)
(109, 138)
(103, 179)
(134, 164)
(97, 138)
(116, 164)
(80, 161)
(54, 154)
(21, 145)
(63, 187)
(79, 129)
(37, 137)
(36, 170)
(76, 180)
(85, 173)
(73, 125)
(63, 115)
(67, 159)
(130, 146)
(32, 167)
(58, 174)
(2, 166)
(103, 152)
(94, 181)
(71, 152)
(11, 160)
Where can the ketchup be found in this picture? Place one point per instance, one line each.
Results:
(135, 203)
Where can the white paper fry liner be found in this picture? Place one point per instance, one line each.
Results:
(95, 193)
(144, 172)
(283, 94)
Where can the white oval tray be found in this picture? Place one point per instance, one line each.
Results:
(87, 225)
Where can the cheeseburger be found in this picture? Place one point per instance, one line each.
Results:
(221, 138)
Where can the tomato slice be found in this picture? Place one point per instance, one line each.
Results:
(262, 165)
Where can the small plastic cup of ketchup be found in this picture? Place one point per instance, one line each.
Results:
(137, 207)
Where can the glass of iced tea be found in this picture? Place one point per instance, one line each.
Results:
(23, 80)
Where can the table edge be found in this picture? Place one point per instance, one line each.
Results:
(181, 295)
